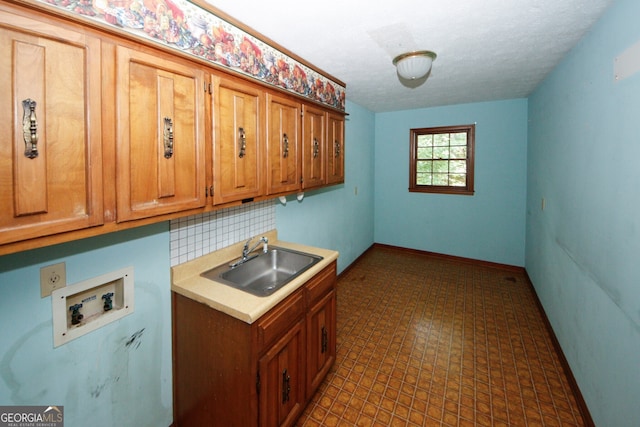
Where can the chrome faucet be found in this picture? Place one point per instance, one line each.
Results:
(246, 250)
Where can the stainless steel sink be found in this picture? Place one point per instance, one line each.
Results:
(264, 274)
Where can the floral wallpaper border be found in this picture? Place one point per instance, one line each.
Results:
(190, 28)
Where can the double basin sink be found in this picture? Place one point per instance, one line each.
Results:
(264, 274)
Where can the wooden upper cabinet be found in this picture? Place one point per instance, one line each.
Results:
(314, 127)
(160, 141)
(283, 144)
(238, 140)
(50, 144)
(99, 129)
(335, 149)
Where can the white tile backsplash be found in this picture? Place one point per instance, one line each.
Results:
(197, 235)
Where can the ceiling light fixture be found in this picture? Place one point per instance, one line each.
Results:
(414, 65)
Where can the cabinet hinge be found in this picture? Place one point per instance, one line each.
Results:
(258, 383)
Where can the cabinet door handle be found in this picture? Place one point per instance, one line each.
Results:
(286, 386)
(285, 145)
(336, 146)
(323, 340)
(30, 128)
(316, 147)
(168, 138)
(242, 137)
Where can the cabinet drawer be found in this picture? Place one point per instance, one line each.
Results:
(321, 284)
(278, 320)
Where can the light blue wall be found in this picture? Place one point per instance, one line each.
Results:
(336, 217)
(119, 375)
(489, 225)
(583, 250)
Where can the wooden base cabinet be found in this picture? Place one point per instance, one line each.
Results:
(321, 340)
(231, 373)
(281, 381)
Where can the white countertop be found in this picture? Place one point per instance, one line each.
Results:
(186, 280)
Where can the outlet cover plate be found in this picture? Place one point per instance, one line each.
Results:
(52, 277)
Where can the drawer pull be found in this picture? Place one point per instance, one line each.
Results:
(285, 145)
(30, 128)
(286, 386)
(243, 142)
(168, 138)
(324, 341)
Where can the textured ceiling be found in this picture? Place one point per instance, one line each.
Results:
(487, 49)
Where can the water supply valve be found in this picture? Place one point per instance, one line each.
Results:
(108, 301)
(76, 316)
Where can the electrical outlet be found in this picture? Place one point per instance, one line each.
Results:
(52, 277)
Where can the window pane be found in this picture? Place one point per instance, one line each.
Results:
(457, 166)
(425, 153)
(442, 159)
(459, 139)
(441, 166)
(425, 140)
(457, 180)
(441, 139)
(423, 178)
(440, 179)
(458, 153)
(441, 153)
(424, 166)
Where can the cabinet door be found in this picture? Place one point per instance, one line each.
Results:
(313, 147)
(321, 340)
(160, 135)
(281, 371)
(238, 144)
(283, 149)
(50, 144)
(335, 149)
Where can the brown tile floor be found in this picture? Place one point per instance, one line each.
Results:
(425, 341)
